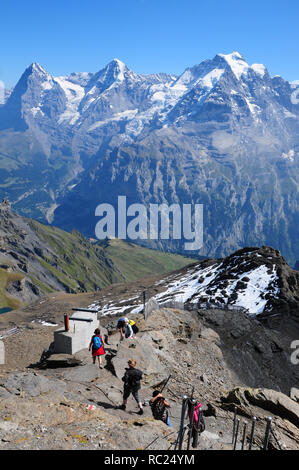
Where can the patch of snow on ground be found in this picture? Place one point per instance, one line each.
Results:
(192, 288)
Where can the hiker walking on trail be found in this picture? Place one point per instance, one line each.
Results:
(159, 407)
(97, 346)
(132, 385)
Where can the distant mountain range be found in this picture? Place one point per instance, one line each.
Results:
(37, 259)
(224, 134)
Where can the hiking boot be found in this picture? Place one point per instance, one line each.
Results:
(140, 412)
(122, 407)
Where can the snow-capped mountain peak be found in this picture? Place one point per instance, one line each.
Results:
(239, 66)
(117, 68)
(229, 128)
(37, 68)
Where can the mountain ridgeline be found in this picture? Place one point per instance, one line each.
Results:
(223, 134)
(37, 259)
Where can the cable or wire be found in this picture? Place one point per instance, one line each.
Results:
(159, 437)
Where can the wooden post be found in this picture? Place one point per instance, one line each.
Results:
(66, 322)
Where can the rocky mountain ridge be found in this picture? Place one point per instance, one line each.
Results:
(37, 259)
(60, 404)
(230, 358)
(257, 281)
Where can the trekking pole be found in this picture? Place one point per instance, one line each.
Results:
(235, 421)
(191, 421)
(180, 433)
(237, 432)
(165, 384)
(252, 432)
(244, 435)
(267, 433)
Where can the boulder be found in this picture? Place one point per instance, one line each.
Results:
(85, 373)
(142, 350)
(294, 394)
(272, 401)
(32, 384)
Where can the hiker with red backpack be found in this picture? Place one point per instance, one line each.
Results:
(97, 346)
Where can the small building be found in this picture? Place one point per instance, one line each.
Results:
(81, 328)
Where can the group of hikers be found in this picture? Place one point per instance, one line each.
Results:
(132, 377)
(127, 329)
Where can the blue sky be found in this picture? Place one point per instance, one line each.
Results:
(148, 35)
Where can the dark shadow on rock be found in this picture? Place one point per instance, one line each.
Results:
(106, 406)
(42, 363)
(109, 365)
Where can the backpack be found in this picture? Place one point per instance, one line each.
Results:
(198, 421)
(97, 343)
(134, 326)
(159, 410)
(132, 378)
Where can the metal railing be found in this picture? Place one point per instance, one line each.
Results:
(268, 433)
(187, 424)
